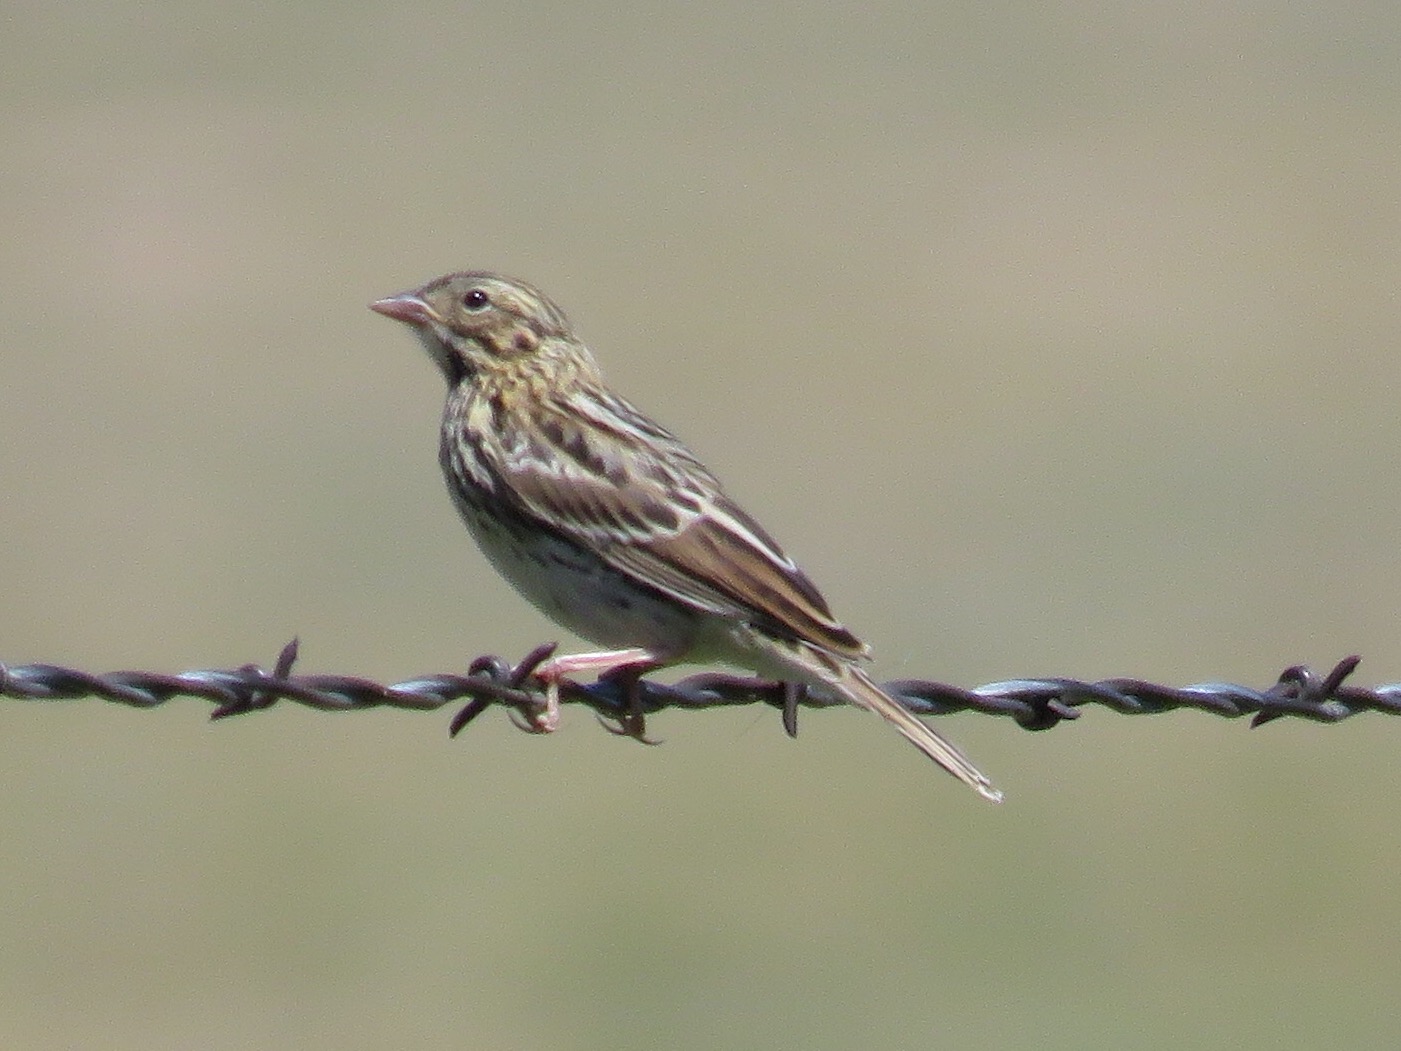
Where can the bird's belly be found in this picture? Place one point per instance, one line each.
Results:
(578, 590)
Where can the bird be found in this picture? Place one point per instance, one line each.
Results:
(609, 524)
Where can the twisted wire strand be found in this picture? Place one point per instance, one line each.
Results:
(1034, 704)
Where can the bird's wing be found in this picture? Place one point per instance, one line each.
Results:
(606, 477)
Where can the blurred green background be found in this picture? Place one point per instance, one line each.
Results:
(1053, 339)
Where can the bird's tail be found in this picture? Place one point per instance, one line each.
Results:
(855, 686)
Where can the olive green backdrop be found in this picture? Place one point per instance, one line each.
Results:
(1052, 338)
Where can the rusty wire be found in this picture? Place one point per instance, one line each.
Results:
(1034, 704)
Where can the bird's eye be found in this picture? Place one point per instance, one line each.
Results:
(476, 300)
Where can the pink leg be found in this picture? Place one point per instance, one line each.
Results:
(553, 671)
(600, 663)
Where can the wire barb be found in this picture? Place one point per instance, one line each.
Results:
(624, 702)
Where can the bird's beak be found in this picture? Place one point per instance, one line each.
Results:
(407, 307)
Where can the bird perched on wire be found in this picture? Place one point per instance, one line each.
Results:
(608, 523)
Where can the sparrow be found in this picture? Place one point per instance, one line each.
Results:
(611, 526)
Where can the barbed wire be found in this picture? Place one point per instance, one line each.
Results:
(622, 702)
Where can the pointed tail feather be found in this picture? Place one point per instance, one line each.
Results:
(858, 688)
(854, 685)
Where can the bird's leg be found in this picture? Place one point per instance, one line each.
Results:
(546, 718)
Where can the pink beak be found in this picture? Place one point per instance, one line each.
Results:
(406, 307)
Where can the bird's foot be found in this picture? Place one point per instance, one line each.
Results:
(632, 721)
(543, 717)
(540, 717)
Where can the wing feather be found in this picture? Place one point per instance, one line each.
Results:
(601, 474)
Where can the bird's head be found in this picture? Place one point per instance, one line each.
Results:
(479, 325)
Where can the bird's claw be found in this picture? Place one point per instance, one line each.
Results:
(540, 717)
(630, 724)
(632, 721)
